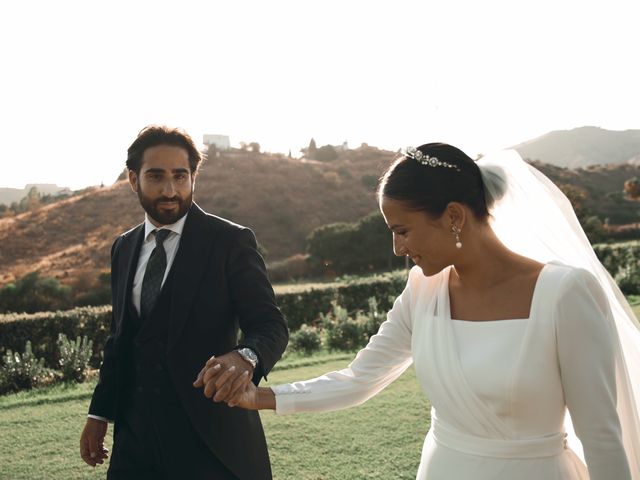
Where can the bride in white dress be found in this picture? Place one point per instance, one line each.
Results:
(509, 320)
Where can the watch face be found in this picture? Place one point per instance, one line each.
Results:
(248, 354)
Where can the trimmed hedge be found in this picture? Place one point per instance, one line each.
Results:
(299, 307)
(352, 293)
(622, 260)
(615, 256)
(43, 328)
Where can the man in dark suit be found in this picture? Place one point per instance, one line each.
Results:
(183, 283)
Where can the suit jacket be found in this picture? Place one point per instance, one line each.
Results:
(220, 285)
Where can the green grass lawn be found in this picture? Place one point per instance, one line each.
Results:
(40, 431)
(382, 439)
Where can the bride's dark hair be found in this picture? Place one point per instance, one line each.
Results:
(432, 188)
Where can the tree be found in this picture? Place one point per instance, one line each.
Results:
(376, 244)
(594, 229)
(326, 153)
(576, 196)
(632, 189)
(92, 288)
(124, 175)
(254, 147)
(311, 149)
(359, 247)
(32, 199)
(591, 224)
(331, 248)
(33, 293)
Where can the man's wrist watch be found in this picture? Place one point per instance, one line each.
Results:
(249, 355)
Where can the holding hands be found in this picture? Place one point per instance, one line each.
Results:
(228, 379)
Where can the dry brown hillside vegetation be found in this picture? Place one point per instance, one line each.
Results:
(280, 198)
(599, 189)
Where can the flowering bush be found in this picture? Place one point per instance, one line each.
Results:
(74, 357)
(21, 372)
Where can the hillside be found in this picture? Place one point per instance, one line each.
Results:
(584, 146)
(281, 199)
(601, 186)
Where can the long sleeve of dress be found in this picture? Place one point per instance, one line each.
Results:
(586, 345)
(384, 359)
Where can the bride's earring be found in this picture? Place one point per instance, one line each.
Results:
(456, 231)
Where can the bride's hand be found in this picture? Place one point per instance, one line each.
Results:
(246, 397)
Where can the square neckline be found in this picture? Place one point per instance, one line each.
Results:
(531, 307)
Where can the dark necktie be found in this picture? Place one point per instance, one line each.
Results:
(153, 274)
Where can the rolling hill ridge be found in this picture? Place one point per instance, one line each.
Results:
(280, 198)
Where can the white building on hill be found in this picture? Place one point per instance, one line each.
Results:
(221, 142)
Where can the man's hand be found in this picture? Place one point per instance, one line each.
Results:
(92, 448)
(222, 377)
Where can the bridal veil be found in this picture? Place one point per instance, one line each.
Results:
(532, 217)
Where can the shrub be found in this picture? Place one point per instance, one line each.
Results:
(299, 306)
(622, 260)
(92, 288)
(304, 306)
(363, 246)
(325, 153)
(628, 276)
(629, 283)
(353, 293)
(594, 229)
(74, 357)
(343, 332)
(306, 340)
(43, 328)
(373, 319)
(332, 248)
(296, 266)
(370, 181)
(33, 293)
(21, 372)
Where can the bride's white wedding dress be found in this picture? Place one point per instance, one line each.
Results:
(500, 389)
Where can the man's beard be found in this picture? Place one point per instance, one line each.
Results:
(151, 206)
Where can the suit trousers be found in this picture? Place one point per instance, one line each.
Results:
(155, 440)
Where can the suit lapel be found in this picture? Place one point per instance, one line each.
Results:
(128, 261)
(189, 266)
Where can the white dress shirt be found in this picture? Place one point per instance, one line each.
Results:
(170, 244)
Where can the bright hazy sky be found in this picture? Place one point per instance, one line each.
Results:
(79, 79)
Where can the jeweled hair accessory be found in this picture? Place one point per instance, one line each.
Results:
(424, 159)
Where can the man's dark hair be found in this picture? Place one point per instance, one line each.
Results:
(154, 135)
